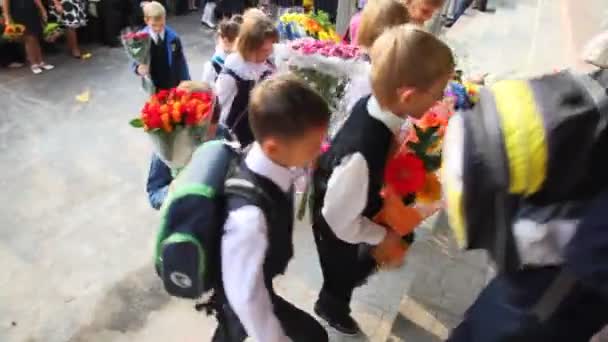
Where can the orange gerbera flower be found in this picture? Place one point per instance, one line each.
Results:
(431, 192)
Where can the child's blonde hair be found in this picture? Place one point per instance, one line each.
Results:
(154, 9)
(407, 56)
(256, 29)
(377, 16)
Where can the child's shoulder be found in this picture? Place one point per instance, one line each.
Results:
(171, 32)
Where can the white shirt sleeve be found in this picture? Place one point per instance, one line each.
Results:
(209, 74)
(226, 90)
(345, 200)
(244, 245)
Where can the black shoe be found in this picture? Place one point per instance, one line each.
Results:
(345, 324)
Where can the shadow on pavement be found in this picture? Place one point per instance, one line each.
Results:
(405, 330)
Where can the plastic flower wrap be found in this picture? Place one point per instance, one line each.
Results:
(52, 32)
(137, 46)
(176, 121)
(326, 66)
(294, 25)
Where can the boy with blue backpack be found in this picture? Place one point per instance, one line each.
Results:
(228, 223)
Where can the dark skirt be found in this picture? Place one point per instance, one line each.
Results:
(26, 13)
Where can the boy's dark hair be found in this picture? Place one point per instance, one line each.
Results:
(237, 18)
(284, 106)
(229, 29)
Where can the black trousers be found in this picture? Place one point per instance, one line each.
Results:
(502, 312)
(297, 324)
(344, 266)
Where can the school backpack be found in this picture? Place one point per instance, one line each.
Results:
(187, 252)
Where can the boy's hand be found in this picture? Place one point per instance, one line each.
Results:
(192, 86)
(143, 69)
(390, 252)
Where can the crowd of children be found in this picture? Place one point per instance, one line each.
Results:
(283, 122)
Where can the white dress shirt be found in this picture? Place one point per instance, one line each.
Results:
(244, 246)
(155, 36)
(225, 86)
(347, 190)
(209, 73)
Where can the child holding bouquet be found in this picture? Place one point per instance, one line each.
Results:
(242, 71)
(31, 14)
(228, 31)
(410, 69)
(168, 66)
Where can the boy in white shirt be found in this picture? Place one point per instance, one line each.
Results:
(289, 121)
(410, 69)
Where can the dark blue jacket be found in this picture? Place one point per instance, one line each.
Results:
(175, 52)
(587, 252)
(159, 178)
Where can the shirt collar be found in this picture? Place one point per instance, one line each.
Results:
(246, 70)
(390, 120)
(259, 163)
(155, 35)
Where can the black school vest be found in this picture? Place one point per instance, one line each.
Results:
(366, 135)
(279, 220)
(238, 117)
(160, 70)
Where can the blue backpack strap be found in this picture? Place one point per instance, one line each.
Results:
(232, 74)
(216, 66)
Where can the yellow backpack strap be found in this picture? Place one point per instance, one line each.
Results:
(524, 136)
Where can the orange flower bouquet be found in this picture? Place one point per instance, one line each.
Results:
(412, 189)
(176, 121)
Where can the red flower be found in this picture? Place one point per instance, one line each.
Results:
(162, 95)
(151, 116)
(141, 35)
(405, 173)
(430, 119)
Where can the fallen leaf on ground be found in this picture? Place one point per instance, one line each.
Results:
(84, 97)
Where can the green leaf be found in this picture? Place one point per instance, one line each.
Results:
(137, 123)
(432, 162)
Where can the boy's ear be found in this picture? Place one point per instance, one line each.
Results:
(404, 94)
(270, 146)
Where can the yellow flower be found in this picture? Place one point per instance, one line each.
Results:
(432, 190)
(323, 35)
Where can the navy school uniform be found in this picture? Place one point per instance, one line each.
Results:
(159, 179)
(256, 247)
(233, 86)
(168, 66)
(343, 207)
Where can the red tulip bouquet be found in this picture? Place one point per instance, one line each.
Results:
(177, 122)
